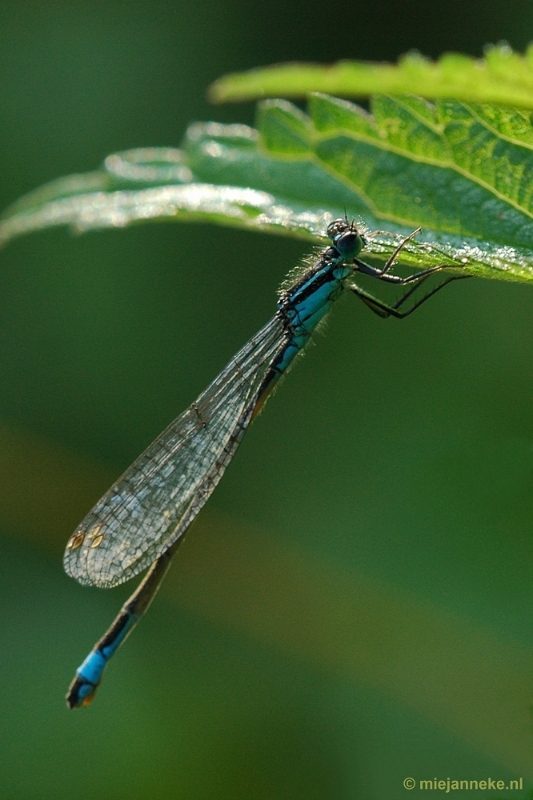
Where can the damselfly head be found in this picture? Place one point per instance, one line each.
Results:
(346, 238)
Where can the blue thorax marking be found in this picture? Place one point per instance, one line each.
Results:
(303, 306)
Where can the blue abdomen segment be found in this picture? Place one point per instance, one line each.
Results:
(89, 674)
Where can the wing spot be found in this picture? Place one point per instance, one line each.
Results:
(203, 423)
(76, 540)
(97, 541)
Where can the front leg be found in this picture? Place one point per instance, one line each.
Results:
(384, 273)
(385, 310)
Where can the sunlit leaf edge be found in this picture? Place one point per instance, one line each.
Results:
(185, 197)
(503, 77)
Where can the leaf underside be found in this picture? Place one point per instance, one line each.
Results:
(462, 172)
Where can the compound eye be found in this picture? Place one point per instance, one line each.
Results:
(349, 244)
(335, 227)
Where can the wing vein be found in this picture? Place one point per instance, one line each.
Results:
(155, 500)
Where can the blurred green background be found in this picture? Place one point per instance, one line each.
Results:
(355, 604)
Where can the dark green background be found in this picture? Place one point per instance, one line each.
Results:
(355, 604)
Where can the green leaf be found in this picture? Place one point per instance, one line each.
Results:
(462, 172)
(502, 77)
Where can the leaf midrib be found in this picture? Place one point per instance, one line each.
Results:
(384, 145)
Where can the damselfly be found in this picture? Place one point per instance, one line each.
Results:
(144, 516)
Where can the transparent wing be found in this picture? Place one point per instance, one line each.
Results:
(157, 498)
